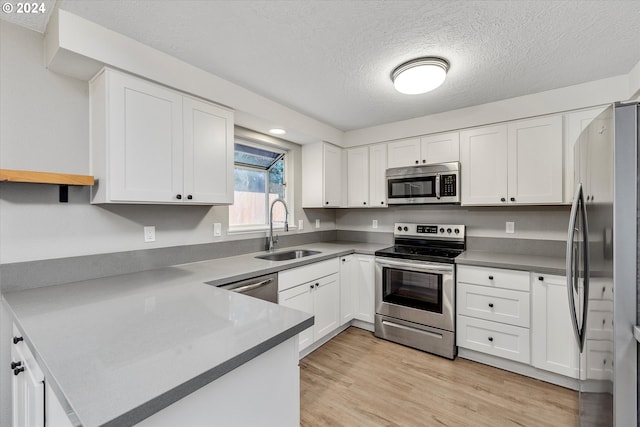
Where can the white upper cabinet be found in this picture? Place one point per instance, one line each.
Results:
(535, 160)
(439, 148)
(208, 157)
(593, 154)
(321, 176)
(377, 176)
(403, 153)
(151, 144)
(483, 165)
(358, 177)
(515, 163)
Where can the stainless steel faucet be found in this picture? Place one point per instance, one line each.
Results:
(272, 242)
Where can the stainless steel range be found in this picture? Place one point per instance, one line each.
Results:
(415, 287)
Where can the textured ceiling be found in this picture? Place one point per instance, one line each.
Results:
(331, 59)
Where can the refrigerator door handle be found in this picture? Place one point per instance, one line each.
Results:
(572, 280)
(587, 273)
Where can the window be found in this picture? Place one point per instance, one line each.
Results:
(259, 180)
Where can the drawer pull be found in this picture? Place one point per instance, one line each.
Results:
(540, 278)
(603, 289)
(15, 365)
(491, 305)
(490, 277)
(16, 340)
(490, 339)
(17, 371)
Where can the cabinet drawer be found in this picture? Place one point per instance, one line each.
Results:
(599, 360)
(499, 305)
(600, 320)
(601, 289)
(494, 277)
(296, 276)
(509, 342)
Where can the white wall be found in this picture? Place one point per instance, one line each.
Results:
(533, 222)
(45, 127)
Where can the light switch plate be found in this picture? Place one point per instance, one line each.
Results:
(510, 227)
(300, 224)
(149, 233)
(317, 223)
(217, 229)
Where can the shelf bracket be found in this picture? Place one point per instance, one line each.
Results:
(64, 193)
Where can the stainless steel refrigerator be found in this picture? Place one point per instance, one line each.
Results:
(601, 264)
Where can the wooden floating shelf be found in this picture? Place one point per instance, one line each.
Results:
(9, 175)
(64, 180)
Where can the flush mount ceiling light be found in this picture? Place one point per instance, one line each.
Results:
(277, 131)
(420, 75)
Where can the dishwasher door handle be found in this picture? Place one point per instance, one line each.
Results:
(250, 287)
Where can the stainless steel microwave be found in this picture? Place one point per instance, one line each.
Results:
(439, 183)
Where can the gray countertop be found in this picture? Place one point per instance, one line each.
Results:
(118, 349)
(534, 263)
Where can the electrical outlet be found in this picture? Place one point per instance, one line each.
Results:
(217, 229)
(374, 224)
(300, 224)
(510, 227)
(149, 233)
(317, 223)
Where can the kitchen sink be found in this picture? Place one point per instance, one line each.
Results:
(285, 256)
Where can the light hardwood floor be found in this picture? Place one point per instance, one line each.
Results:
(357, 379)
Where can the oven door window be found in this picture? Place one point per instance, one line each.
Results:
(414, 289)
(412, 187)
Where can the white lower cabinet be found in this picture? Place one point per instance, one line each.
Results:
(314, 289)
(348, 288)
(553, 344)
(498, 339)
(33, 399)
(493, 312)
(365, 288)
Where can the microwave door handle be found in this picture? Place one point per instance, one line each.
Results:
(437, 186)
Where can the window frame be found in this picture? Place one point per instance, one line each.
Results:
(251, 228)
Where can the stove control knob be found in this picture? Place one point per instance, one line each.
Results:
(457, 230)
(449, 230)
(399, 228)
(406, 229)
(442, 230)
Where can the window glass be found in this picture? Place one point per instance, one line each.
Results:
(259, 180)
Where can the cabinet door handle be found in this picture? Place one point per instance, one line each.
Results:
(490, 305)
(540, 278)
(16, 340)
(326, 203)
(317, 284)
(382, 203)
(15, 365)
(502, 199)
(179, 196)
(18, 370)
(190, 197)
(490, 277)
(490, 339)
(424, 161)
(417, 162)
(513, 199)
(364, 203)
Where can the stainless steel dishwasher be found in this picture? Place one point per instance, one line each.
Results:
(263, 287)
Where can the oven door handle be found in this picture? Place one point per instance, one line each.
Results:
(416, 266)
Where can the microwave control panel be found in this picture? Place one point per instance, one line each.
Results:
(447, 185)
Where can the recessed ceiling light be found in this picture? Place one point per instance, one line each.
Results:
(277, 131)
(420, 75)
